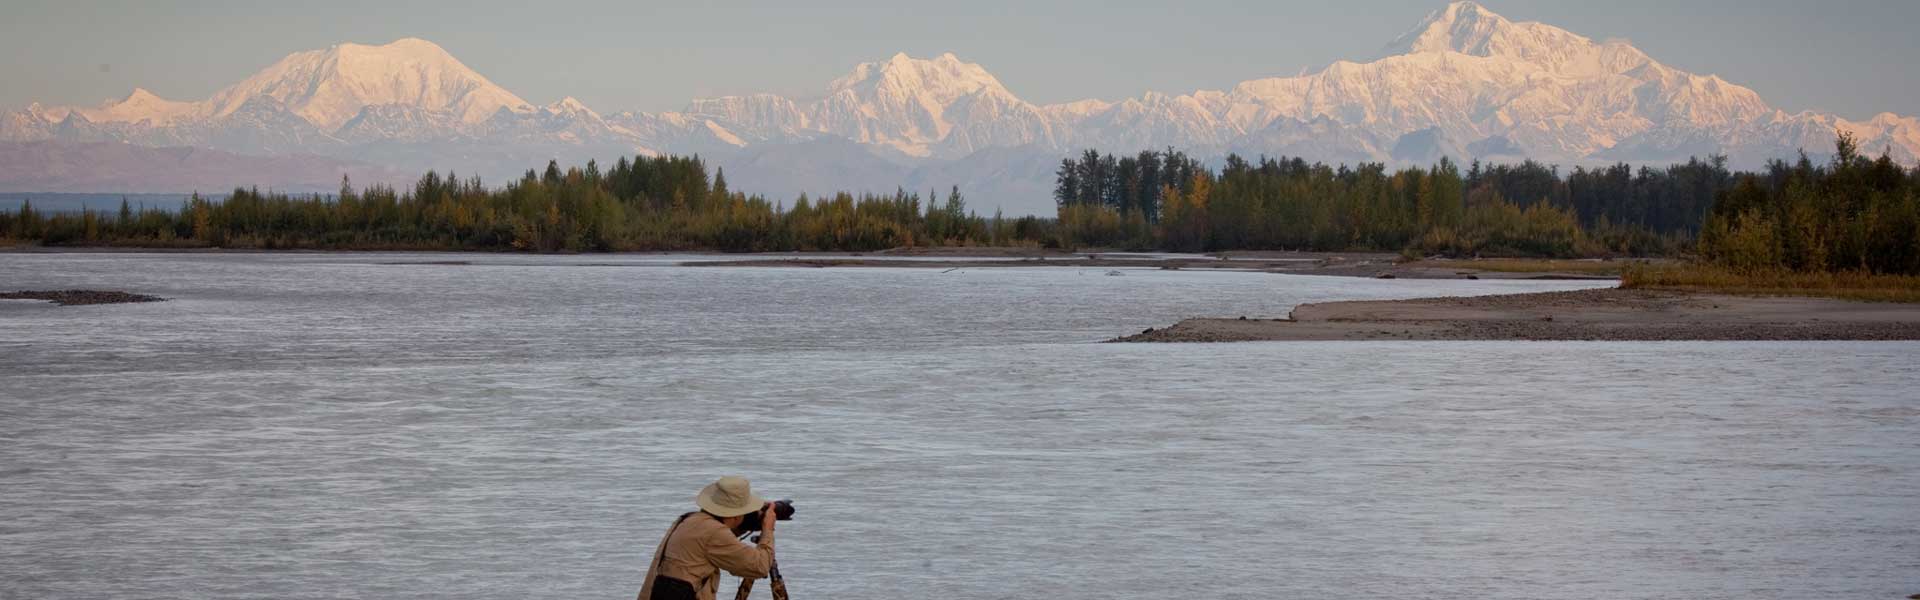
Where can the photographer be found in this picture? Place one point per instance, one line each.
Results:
(688, 562)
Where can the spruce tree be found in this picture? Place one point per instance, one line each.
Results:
(1066, 186)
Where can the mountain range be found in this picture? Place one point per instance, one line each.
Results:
(1464, 83)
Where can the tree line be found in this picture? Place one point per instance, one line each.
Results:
(1290, 204)
(643, 204)
(1853, 213)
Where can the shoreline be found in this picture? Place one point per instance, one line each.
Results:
(1375, 265)
(1379, 265)
(1610, 314)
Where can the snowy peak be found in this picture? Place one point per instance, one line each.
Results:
(1463, 27)
(140, 95)
(572, 107)
(329, 87)
(913, 105)
(1468, 28)
(940, 106)
(140, 105)
(941, 80)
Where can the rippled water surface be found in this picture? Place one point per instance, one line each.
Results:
(329, 426)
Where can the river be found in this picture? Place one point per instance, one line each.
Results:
(374, 425)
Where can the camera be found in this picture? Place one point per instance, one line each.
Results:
(782, 511)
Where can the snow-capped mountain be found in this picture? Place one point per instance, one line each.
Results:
(1464, 82)
(940, 107)
(329, 87)
(1466, 77)
(927, 107)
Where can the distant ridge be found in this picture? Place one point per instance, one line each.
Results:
(111, 167)
(1463, 82)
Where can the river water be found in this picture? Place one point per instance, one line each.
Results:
(336, 426)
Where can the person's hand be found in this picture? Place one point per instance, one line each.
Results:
(767, 517)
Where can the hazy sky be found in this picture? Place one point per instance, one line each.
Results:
(1853, 58)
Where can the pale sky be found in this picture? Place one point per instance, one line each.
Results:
(1854, 58)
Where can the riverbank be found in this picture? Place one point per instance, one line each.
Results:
(1382, 265)
(1377, 265)
(1605, 314)
(1846, 285)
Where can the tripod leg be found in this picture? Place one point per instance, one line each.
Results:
(779, 584)
(746, 589)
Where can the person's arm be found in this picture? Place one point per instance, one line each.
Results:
(751, 562)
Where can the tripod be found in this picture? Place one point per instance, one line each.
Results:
(773, 574)
(779, 584)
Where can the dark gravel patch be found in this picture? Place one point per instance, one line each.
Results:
(80, 297)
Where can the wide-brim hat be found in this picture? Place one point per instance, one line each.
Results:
(729, 497)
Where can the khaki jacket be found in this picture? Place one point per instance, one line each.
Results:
(697, 548)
